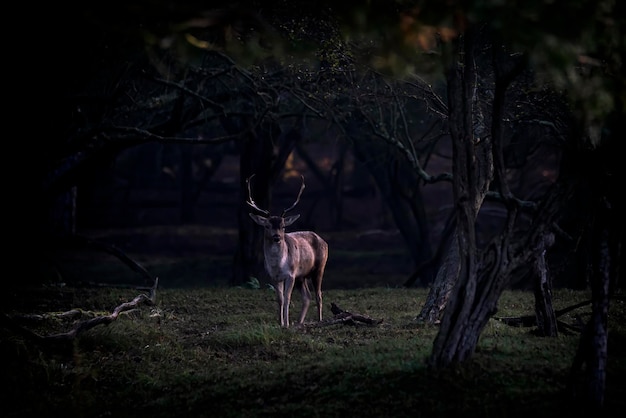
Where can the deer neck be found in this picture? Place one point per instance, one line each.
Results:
(276, 254)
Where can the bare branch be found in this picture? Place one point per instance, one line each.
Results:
(143, 136)
(511, 200)
(434, 102)
(205, 100)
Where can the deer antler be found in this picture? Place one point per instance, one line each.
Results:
(250, 201)
(297, 199)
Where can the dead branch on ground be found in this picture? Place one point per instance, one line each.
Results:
(11, 322)
(346, 318)
(526, 321)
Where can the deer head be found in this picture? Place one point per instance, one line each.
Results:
(274, 225)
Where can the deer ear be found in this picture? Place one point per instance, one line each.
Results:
(291, 219)
(258, 219)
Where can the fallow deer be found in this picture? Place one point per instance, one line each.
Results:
(291, 258)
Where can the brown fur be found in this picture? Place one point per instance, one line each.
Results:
(296, 257)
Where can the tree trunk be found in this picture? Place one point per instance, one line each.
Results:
(544, 311)
(439, 293)
(263, 153)
(63, 214)
(472, 170)
(255, 157)
(187, 202)
(589, 389)
(606, 243)
(477, 160)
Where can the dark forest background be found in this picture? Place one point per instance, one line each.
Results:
(479, 141)
(166, 108)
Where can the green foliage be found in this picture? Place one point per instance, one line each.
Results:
(220, 352)
(254, 283)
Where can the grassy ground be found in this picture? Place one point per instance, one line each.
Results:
(218, 352)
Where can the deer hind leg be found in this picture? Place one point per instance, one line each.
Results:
(306, 299)
(317, 285)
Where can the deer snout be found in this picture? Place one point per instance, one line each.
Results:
(276, 238)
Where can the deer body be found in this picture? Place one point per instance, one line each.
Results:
(294, 258)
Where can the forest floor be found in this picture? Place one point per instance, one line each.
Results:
(205, 349)
(219, 352)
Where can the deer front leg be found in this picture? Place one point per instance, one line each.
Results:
(289, 282)
(280, 298)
